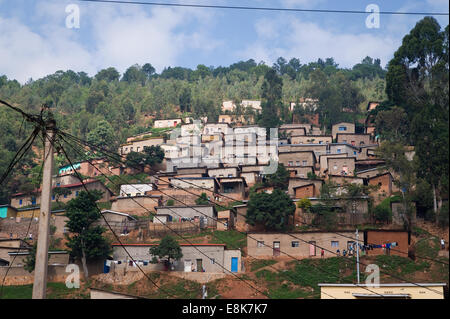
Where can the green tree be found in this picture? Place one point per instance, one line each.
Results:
(271, 105)
(108, 75)
(202, 200)
(280, 179)
(168, 249)
(270, 210)
(86, 241)
(103, 136)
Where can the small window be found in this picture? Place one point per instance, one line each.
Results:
(260, 244)
(334, 244)
(290, 163)
(342, 128)
(297, 163)
(20, 202)
(53, 197)
(76, 193)
(304, 163)
(354, 153)
(295, 244)
(338, 150)
(58, 184)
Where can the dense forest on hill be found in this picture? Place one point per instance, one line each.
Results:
(109, 106)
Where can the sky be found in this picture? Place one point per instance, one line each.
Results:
(35, 40)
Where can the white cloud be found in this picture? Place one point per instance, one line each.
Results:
(121, 36)
(309, 41)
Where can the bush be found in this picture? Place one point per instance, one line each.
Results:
(170, 202)
(305, 204)
(382, 213)
(443, 215)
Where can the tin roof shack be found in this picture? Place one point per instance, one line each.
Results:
(7, 211)
(206, 214)
(211, 258)
(233, 187)
(305, 158)
(353, 139)
(383, 291)
(383, 237)
(297, 244)
(343, 166)
(342, 127)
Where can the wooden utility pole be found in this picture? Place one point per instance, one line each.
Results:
(40, 269)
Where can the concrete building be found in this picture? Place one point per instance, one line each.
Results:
(206, 214)
(341, 166)
(311, 139)
(305, 158)
(210, 258)
(300, 245)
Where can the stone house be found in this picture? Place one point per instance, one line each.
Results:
(342, 127)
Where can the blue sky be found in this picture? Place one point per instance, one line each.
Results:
(34, 39)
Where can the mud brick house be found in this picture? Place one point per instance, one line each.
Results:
(300, 171)
(241, 212)
(19, 200)
(341, 165)
(218, 260)
(294, 129)
(224, 172)
(344, 148)
(304, 158)
(298, 244)
(380, 237)
(295, 182)
(353, 139)
(323, 161)
(311, 139)
(305, 191)
(342, 127)
(384, 182)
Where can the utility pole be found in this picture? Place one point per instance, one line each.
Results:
(357, 255)
(40, 270)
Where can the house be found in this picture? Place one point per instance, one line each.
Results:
(226, 219)
(341, 165)
(216, 128)
(206, 214)
(12, 245)
(344, 148)
(298, 244)
(323, 161)
(19, 200)
(138, 145)
(382, 237)
(55, 257)
(140, 205)
(224, 172)
(353, 139)
(342, 127)
(167, 123)
(300, 171)
(241, 212)
(305, 191)
(205, 183)
(209, 258)
(7, 211)
(302, 158)
(305, 103)
(294, 129)
(92, 168)
(295, 182)
(132, 190)
(233, 187)
(311, 139)
(383, 291)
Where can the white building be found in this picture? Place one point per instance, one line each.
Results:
(132, 190)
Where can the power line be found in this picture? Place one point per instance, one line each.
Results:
(208, 190)
(325, 249)
(247, 235)
(191, 244)
(253, 8)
